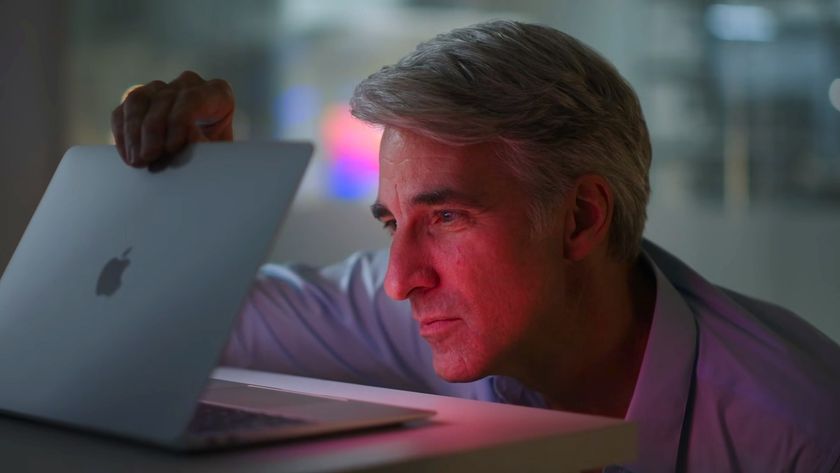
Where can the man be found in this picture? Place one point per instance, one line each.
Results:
(513, 181)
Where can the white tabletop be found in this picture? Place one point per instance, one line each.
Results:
(463, 436)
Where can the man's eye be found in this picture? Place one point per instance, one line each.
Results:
(448, 216)
(390, 226)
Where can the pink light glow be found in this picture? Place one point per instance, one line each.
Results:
(351, 140)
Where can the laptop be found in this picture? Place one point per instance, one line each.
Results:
(125, 287)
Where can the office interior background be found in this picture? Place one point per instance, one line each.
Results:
(742, 99)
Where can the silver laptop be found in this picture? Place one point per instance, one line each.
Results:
(124, 289)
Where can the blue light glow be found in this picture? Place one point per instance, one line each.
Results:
(741, 23)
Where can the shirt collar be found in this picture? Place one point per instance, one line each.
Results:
(660, 398)
(511, 391)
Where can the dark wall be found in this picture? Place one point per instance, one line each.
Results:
(31, 112)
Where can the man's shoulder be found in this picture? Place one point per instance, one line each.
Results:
(764, 377)
(766, 382)
(739, 330)
(767, 370)
(769, 352)
(770, 384)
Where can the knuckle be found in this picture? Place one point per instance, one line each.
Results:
(159, 105)
(156, 84)
(193, 93)
(138, 93)
(136, 98)
(221, 86)
(117, 114)
(189, 77)
(192, 96)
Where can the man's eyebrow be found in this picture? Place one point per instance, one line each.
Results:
(435, 197)
(444, 196)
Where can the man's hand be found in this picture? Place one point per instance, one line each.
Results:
(160, 119)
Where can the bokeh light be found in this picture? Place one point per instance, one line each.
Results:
(353, 149)
(834, 94)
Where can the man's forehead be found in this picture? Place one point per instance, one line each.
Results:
(413, 165)
(398, 145)
(405, 148)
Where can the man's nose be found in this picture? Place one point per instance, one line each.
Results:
(410, 267)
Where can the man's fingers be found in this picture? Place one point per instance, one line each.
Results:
(154, 129)
(135, 107)
(160, 118)
(187, 79)
(220, 108)
(182, 118)
(207, 108)
(117, 131)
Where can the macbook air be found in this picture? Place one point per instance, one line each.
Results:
(124, 289)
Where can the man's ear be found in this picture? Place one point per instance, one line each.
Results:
(588, 214)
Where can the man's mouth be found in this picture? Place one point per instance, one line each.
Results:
(437, 327)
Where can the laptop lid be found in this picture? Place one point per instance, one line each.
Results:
(125, 285)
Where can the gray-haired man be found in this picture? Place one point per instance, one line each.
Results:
(513, 180)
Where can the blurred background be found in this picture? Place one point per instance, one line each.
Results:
(742, 99)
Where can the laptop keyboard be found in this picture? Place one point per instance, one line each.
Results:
(210, 418)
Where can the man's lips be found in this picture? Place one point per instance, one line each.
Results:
(436, 326)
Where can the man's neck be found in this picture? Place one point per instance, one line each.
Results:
(616, 317)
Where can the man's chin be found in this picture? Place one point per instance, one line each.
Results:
(456, 371)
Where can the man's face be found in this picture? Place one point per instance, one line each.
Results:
(483, 289)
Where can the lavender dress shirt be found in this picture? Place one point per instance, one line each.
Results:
(727, 383)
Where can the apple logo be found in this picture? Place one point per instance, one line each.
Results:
(110, 279)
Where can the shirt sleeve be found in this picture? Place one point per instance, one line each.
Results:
(336, 323)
